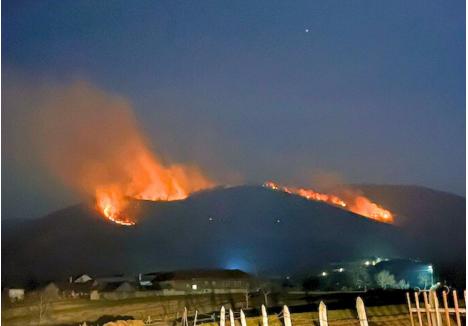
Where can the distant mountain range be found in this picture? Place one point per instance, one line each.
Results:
(247, 227)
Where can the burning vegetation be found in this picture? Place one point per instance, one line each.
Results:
(91, 141)
(357, 204)
(149, 179)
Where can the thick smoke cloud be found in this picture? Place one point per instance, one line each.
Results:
(91, 141)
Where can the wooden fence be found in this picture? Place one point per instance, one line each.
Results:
(430, 312)
(284, 315)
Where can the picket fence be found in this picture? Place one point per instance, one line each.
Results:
(426, 313)
(429, 311)
(285, 315)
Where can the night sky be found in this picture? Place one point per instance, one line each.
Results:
(369, 91)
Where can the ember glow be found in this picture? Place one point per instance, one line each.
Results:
(356, 203)
(111, 207)
(150, 180)
(92, 142)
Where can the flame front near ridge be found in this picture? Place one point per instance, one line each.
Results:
(357, 204)
(110, 207)
(91, 141)
(149, 180)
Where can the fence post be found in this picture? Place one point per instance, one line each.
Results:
(408, 299)
(323, 319)
(184, 317)
(438, 320)
(418, 310)
(222, 316)
(242, 318)
(286, 316)
(457, 311)
(361, 310)
(264, 316)
(427, 308)
(447, 315)
(231, 317)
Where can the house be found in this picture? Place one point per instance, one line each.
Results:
(16, 295)
(114, 290)
(146, 280)
(75, 290)
(82, 278)
(50, 292)
(117, 287)
(94, 295)
(62, 290)
(202, 281)
(114, 279)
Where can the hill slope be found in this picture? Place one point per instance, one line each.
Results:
(435, 219)
(245, 227)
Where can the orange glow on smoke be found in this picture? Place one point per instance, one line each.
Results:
(91, 141)
(357, 204)
(149, 180)
(363, 206)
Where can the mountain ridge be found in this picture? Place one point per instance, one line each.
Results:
(246, 227)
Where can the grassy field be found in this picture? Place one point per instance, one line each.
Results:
(79, 310)
(386, 309)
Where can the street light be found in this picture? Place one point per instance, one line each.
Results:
(430, 269)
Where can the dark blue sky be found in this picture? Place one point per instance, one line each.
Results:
(373, 92)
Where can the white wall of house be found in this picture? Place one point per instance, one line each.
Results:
(83, 279)
(16, 295)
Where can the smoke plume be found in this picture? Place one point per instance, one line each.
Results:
(92, 142)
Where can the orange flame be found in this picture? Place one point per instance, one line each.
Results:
(110, 204)
(150, 180)
(146, 178)
(357, 204)
(92, 142)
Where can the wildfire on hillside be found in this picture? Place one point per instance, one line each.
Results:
(150, 180)
(92, 142)
(357, 204)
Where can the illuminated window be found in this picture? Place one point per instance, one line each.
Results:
(194, 287)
